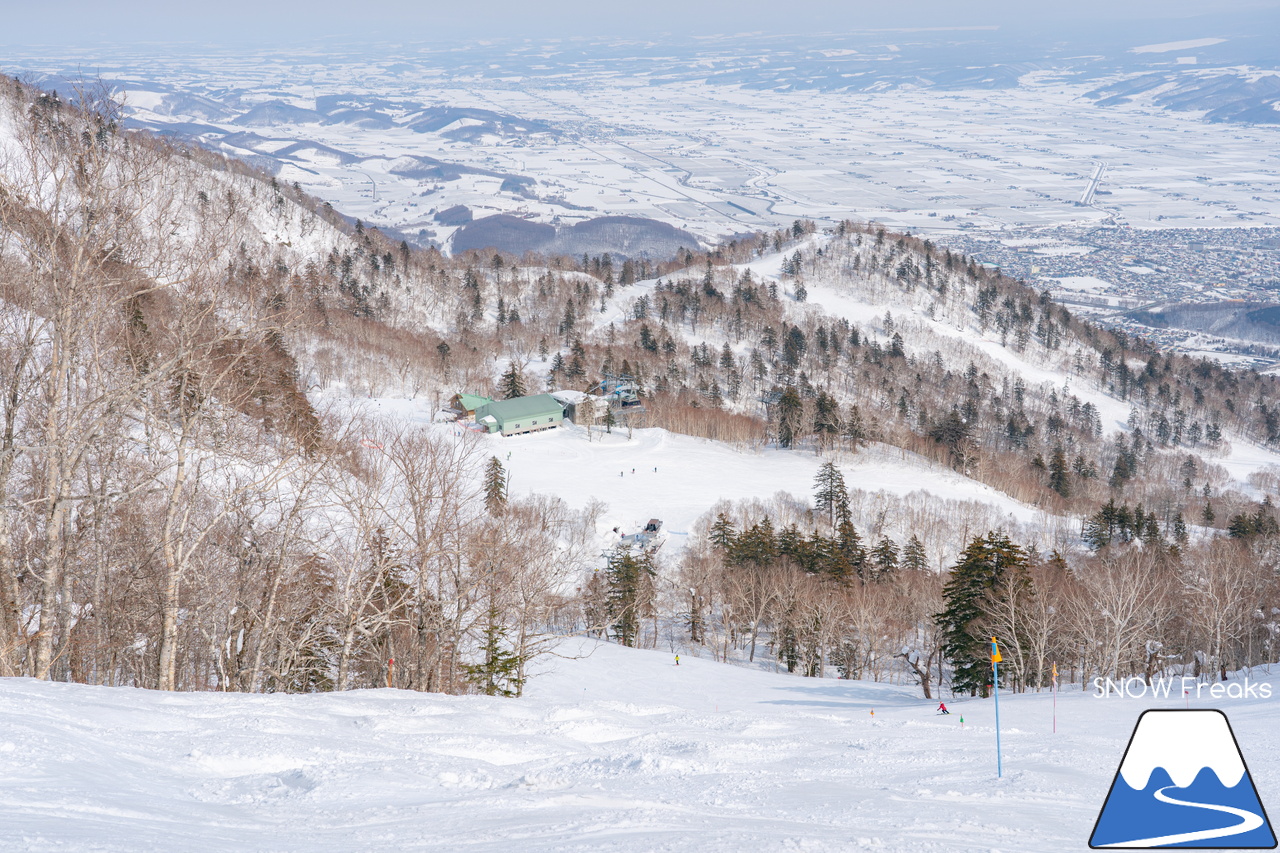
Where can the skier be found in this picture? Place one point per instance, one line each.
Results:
(677, 660)
(942, 708)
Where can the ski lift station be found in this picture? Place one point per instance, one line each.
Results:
(581, 408)
(649, 539)
(620, 389)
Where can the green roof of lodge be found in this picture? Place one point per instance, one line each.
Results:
(519, 408)
(471, 402)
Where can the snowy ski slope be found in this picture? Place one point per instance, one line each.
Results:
(619, 750)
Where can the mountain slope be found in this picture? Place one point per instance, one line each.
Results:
(619, 750)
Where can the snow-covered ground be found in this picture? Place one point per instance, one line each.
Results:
(611, 750)
(678, 478)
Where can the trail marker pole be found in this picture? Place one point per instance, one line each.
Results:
(995, 683)
(1055, 698)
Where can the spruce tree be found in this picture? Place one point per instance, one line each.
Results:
(826, 418)
(914, 558)
(723, 533)
(1059, 480)
(757, 545)
(829, 491)
(630, 593)
(850, 556)
(499, 673)
(511, 385)
(495, 487)
(884, 558)
(1101, 527)
(790, 413)
(854, 428)
(978, 581)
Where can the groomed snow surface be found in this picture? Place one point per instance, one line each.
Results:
(611, 750)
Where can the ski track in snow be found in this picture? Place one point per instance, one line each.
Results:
(611, 749)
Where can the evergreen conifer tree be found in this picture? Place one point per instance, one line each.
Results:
(826, 418)
(499, 673)
(829, 491)
(495, 487)
(757, 545)
(851, 557)
(854, 428)
(914, 558)
(790, 413)
(512, 382)
(723, 533)
(1059, 479)
(630, 593)
(884, 558)
(978, 581)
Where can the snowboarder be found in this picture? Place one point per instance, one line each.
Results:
(677, 660)
(942, 708)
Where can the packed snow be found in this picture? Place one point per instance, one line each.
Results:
(654, 473)
(611, 749)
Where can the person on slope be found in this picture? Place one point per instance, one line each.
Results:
(942, 708)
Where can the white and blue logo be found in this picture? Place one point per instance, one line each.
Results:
(1183, 783)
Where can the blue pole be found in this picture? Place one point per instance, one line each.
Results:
(995, 667)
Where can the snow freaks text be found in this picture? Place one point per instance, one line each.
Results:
(1178, 688)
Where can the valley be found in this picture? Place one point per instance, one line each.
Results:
(1108, 201)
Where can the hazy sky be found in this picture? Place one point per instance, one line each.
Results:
(33, 22)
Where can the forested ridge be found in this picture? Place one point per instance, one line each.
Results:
(187, 503)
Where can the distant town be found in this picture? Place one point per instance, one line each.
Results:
(1123, 276)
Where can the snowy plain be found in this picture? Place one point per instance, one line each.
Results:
(611, 749)
(650, 139)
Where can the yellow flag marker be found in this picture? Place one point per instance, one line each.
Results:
(995, 682)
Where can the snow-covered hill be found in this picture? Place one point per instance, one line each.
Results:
(612, 749)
